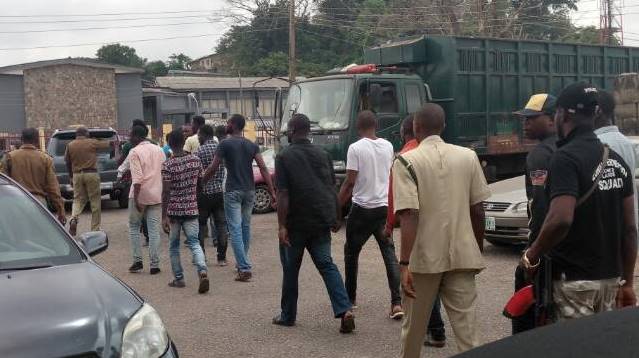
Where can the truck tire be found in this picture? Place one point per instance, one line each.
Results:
(263, 202)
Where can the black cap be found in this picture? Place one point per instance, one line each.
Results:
(580, 97)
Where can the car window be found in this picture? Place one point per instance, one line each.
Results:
(28, 235)
(58, 144)
(379, 97)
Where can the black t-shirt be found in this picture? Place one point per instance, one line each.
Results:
(238, 154)
(592, 248)
(306, 171)
(537, 168)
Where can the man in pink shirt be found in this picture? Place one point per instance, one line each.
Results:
(145, 198)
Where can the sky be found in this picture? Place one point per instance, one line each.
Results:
(155, 28)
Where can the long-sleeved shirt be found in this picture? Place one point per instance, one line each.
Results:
(145, 161)
(390, 217)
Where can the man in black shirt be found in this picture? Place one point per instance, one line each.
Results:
(539, 125)
(307, 210)
(590, 227)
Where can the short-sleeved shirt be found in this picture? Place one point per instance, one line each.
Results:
(306, 172)
(206, 152)
(592, 248)
(449, 181)
(82, 153)
(145, 163)
(183, 172)
(238, 154)
(192, 143)
(537, 169)
(372, 160)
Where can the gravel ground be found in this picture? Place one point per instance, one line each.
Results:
(234, 319)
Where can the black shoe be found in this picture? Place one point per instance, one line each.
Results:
(437, 340)
(280, 322)
(136, 267)
(348, 323)
(155, 270)
(204, 283)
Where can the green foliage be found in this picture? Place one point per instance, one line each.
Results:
(117, 54)
(155, 69)
(178, 62)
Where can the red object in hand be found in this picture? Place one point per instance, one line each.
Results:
(520, 302)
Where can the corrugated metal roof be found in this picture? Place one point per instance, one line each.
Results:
(19, 69)
(214, 82)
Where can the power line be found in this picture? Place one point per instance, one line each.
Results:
(110, 14)
(104, 28)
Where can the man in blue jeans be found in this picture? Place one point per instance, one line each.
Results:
(180, 175)
(306, 213)
(237, 153)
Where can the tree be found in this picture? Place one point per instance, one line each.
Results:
(155, 69)
(179, 62)
(117, 54)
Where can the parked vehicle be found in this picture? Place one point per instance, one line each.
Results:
(55, 301)
(506, 213)
(107, 165)
(479, 82)
(263, 201)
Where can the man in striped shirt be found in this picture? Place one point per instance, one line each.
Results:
(180, 175)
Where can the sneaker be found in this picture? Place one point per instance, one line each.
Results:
(280, 322)
(155, 270)
(222, 263)
(73, 226)
(177, 283)
(136, 267)
(348, 323)
(243, 276)
(204, 283)
(435, 340)
(396, 313)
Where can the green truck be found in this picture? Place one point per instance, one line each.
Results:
(479, 83)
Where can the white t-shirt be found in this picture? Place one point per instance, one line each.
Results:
(372, 159)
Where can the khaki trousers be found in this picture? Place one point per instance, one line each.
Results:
(458, 294)
(86, 188)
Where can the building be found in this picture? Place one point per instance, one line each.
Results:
(213, 63)
(60, 93)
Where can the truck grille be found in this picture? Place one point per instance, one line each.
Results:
(496, 206)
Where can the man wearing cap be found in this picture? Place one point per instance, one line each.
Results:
(538, 125)
(589, 231)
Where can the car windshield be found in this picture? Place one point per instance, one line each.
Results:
(58, 144)
(326, 103)
(29, 237)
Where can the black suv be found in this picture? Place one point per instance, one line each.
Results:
(107, 164)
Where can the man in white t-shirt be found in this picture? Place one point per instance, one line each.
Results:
(368, 165)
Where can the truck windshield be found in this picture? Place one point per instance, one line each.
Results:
(326, 103)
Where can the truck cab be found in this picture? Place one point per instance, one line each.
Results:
(333, 102)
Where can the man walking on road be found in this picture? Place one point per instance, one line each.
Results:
(306, 213)
(367, 171)
(238, 154)
(180, 176)
(539, 124)
(436, 333)
(438, 192)
(33, 169)
(145, 199)
(211, 195)
(82, 164)
(590, 231)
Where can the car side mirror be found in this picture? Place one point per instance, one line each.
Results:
(94, 242)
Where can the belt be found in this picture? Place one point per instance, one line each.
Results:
(85, 171)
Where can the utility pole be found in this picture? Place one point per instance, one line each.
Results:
(610, 20)
(291, 41)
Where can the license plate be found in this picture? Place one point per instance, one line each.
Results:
(490, 223)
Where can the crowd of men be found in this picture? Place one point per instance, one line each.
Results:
(579, 182)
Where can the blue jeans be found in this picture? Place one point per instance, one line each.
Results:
(318, 244)
(191, 229)
(153, 216)
(238, 207)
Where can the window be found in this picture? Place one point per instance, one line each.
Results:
(380, 97)
(413, 97)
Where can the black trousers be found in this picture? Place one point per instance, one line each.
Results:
(213, 205)
(363, 223)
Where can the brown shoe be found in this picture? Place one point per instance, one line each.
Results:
(348, 323)
(243, 277)
(204, 283)
(73, 226)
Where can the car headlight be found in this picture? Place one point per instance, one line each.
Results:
(339, 165)
(521, 208)
(144, 335)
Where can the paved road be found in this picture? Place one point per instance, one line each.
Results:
(234, 319)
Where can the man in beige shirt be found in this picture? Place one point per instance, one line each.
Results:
(438, 190)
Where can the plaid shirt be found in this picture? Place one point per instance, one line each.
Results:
(206, 152)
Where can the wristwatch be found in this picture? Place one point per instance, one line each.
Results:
(526, 261)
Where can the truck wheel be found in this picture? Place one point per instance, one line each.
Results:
(262, 200)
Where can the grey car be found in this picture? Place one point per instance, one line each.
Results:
(506, 213)
(55, 301)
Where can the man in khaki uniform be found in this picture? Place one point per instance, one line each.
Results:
(81, 158)
(33, 169)
(438, 190)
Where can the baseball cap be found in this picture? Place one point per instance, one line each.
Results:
(539, 104)
(579, 97)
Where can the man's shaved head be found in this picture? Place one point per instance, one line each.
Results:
(430, 120)
(366, 120)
